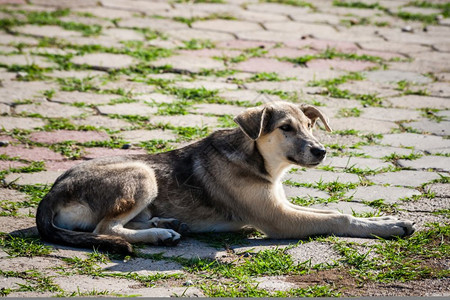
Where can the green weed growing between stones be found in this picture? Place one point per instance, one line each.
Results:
(17, 246)
(298, 3)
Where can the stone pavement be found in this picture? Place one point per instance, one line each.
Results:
(87, 78)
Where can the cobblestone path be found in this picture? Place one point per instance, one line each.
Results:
(90, 78)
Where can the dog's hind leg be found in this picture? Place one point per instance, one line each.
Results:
(156, 222)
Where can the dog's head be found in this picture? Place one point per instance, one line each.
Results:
(283, 133)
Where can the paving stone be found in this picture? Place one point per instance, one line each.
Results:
(290, 52)
(189, 63)
(52, 110)
(20, 59)
(123, 34)
(36, 153)
(152, 23)
(101, 122)
(346, 65)
(209, 85)
(7, 49)
(7, 39)
(342, 46)
(382, 151)
(386, 76)
(187, 248)
(304, 29)
(58, 136)
(155, 98)
(105, 61)
(217, 109)
(144, 267)
(12, 283)
(5, 109)
(346, 207)
(96, 41)
(260, 244)
(363, 87)
(441, 190)
(287, 86)
(103, 12)
(190, 34)
(356, 162)
(13, 91)
(260, 64)
(12, 195)
(390, 114)
(129, 86)
(440, 163)
(51, 51)
(417, 102)
(426, 205)
(363, 125)
(404, 178)
(230, 26)
(418, 141)
(131, 109)
(278, 9)
(274, 283)
(293, 192)
(390, 195)
(141, 6)
(87, 20)
(441, 128)
(6, 164)
(96, 152)
(24, 226)
(394, 47)
(439, 89)
(185, 120)
(60, 165)
(258, 16)
(243, 95)
(45, 177)
(65, 3)
(49, 31)
(243, 44)
(314, 252)
(315, 176)
(10, 123)
(269, 36)
(76, 74)
(317, 17)
(136, 136)
(211, 52)
(306, 74)
(81, 97)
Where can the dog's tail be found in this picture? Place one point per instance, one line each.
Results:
(51, 233)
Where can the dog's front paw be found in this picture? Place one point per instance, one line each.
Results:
(168, 237)
(384, 227)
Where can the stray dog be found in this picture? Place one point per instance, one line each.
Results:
(225, 182)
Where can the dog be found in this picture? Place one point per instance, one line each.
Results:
(225, 182)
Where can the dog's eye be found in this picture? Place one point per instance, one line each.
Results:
(286, 127)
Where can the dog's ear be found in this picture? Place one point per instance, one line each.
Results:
(251, 121)
(314, 113)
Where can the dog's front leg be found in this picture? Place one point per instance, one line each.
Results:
(286, 222)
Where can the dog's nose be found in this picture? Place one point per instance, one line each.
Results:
(318, 152)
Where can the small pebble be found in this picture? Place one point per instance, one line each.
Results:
(407, 29)
(4, 143)
(126, 146)
(188, 283)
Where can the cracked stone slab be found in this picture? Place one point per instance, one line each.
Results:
(58, 136)
(417, 102)
(52, 110)
(189, 63)
(81, 97)
(357, 162)
(442, 128)
(130, 109)
(418, 141)
(185, 120)
(314, 252)
(105, 61)
(390, 194)
(404, 178)
(294, 191)
(136, 136)
(383, 151)
(187, 248)
(10, 123)
(45, 177)
(315, 176)
(217, 109)
(439, 163)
